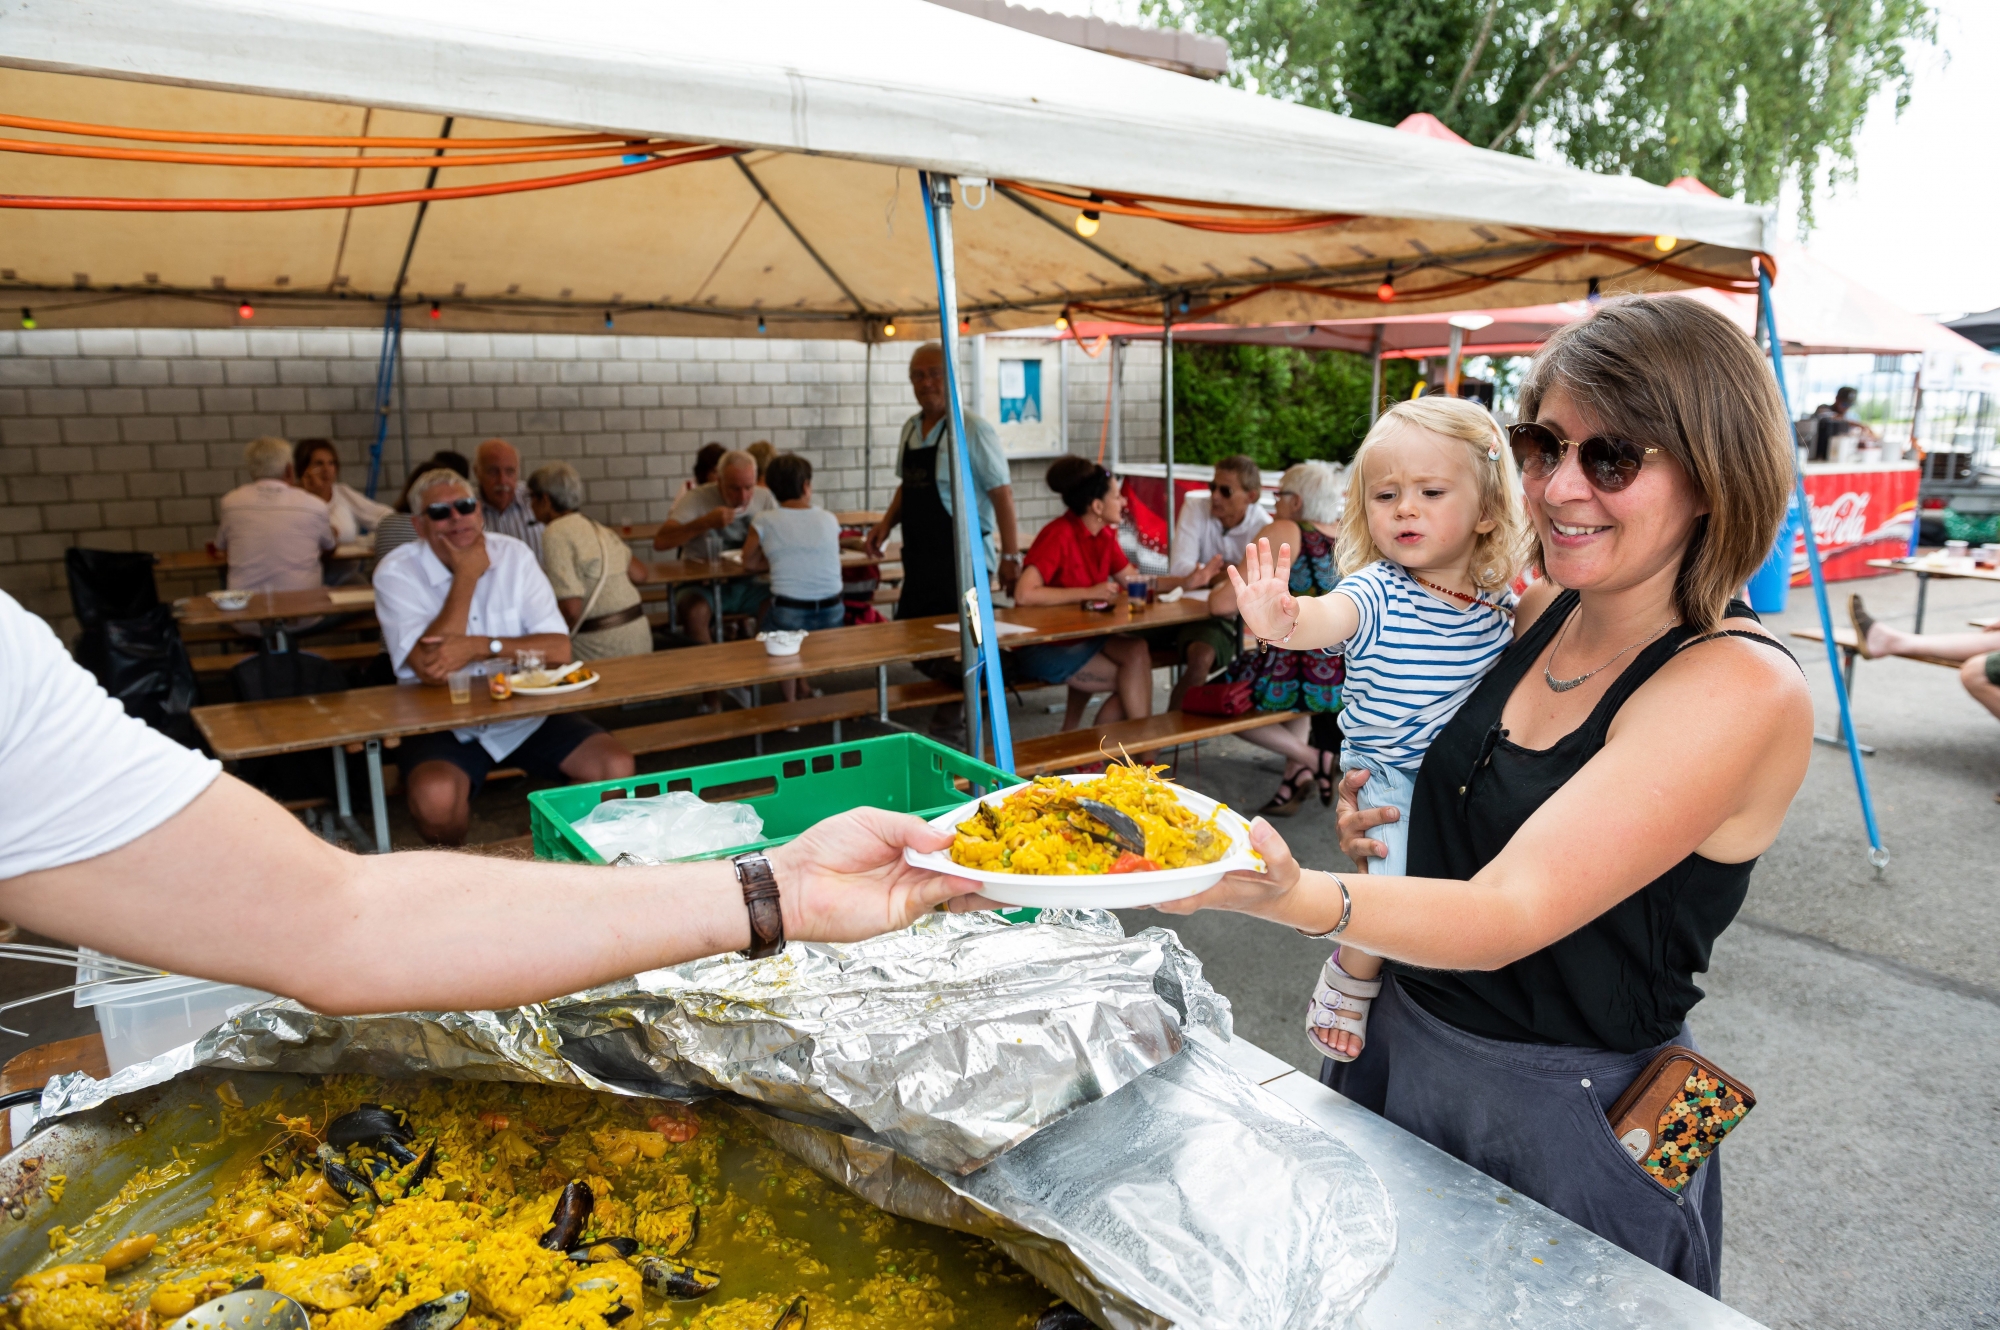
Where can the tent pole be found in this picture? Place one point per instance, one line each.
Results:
(1117, 368)
(1916, 408)
(978, 643)
(1452, 360)
(1877, 855)
(1167, 419)
(385, 377)
(1375, 376)
(867, 417)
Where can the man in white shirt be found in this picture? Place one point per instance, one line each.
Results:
(457, 596)
(1221, 524)
(274, 532)
(115, 837)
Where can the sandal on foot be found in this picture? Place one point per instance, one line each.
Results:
(1339, 1002)
(1291, 793)
(1327, 776)
(1858, 615)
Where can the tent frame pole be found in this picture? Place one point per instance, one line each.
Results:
(1453, 356)
(1877, 855)
(978, 642)
(1115, 428)
(867, 417)
(1375, 376)
(1167, 420)
(385, 382)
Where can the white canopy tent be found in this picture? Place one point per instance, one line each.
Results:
(815, 229)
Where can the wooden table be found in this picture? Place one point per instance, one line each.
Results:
(636, 531)
(368, 716)
(1926, 567)
(210, 561)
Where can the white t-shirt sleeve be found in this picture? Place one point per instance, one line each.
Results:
(78, 777)
(1187, 537)
(401, 601)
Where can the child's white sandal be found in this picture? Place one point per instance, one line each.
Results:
(1339, 1002)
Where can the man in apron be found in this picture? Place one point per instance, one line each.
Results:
(922, 506)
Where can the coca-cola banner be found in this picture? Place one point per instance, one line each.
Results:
(1858, 514)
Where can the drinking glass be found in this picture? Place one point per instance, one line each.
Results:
(460, 683)
(527, 661)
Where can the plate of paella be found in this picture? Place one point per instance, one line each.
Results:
(1118, 839)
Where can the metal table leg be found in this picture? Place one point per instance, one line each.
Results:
(882, 693)
(1923, 591)
(1838, 739)
(343, 801)
(757, 700)
(381, 799)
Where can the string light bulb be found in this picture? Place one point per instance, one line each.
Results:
(607, 320)
(246, 311)
(760, 323)
(1087, 220)
(1184, 302)
(1665, 244)
(1594, 296)
(27, 317)
(1062, 322)
(436, 313)
(1387, 291)
(965, 324)
(889, 329)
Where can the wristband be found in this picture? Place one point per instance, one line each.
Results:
(760, 902)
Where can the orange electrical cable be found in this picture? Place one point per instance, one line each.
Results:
(295, 140)
(333, 163)
(59, 203)
(1128, 206)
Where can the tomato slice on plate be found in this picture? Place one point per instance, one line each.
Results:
(1129, 862)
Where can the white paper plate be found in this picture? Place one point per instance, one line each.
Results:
(550, 690)
(1097, 891)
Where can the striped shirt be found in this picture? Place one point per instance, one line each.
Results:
(1413, 661)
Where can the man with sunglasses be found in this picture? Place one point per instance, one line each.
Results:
(1219, 525)
(457, 596)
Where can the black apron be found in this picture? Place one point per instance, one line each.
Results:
(930, 540)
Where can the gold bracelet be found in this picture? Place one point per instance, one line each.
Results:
(1346, 912)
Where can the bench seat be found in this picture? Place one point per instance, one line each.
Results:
(1076, 748)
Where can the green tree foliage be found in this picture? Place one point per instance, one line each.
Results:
(1278, 404)
(1743, 94)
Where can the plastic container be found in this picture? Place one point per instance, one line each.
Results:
(905, 773)
(782, 641)
(142, 1020)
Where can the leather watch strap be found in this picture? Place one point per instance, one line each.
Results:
(760, 901)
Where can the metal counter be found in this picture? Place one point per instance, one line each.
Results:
(1472, 1253)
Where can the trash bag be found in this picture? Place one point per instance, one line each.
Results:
(289, 777)
(109, 584)
(141, 662)
(675, 825)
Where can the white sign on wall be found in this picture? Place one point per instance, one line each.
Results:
(1021, 391)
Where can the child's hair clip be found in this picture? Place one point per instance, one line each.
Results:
(1492, 454)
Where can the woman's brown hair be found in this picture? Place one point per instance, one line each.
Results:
(1674, 373)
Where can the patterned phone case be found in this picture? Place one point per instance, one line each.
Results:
(1676, 1113)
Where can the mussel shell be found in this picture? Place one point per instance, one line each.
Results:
(676, 1282)
(370, 1122)
(425, 1166)
(793, 1317)
(1062, 1316)
(253, 1282)
(437, 1314)
(618, 1311)
(572, 1213)
(342, 1178)
(605, 1249)
(1125, 832)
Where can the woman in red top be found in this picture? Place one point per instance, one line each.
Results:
(1077, 558)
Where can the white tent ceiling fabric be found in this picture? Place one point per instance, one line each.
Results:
(836, 104)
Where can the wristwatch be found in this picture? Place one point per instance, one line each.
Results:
(493, 646)
(760, 901)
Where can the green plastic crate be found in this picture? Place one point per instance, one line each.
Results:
(791, 791)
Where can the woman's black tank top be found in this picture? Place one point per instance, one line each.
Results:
(1625, 980)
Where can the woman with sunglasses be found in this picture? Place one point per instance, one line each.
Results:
(1586, 825)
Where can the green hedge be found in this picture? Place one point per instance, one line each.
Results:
(1279, 404)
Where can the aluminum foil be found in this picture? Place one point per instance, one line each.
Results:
(1032, 1083)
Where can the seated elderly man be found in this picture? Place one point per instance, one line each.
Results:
(459, 595)
(1218, 526)
(503, 500)
(707, 520)
(274, 532)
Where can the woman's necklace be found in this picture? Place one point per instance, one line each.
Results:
(1564, 685)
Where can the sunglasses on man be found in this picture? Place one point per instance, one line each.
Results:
(437, 512)
(1608, 464)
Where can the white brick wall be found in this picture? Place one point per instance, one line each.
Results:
(123, 439)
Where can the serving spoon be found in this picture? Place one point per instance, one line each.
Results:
(246, 1309)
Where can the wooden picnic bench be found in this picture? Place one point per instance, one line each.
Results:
(1850, 651)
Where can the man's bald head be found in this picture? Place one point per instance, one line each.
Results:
(497, 465)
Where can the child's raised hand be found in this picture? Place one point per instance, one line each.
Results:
(1264, 591)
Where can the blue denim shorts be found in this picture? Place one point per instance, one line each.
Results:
(790, 618)
(1055, 662)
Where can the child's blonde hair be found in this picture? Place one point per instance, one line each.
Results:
(1497, 555)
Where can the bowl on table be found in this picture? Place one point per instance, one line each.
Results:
(781, 641)
(229, 600)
